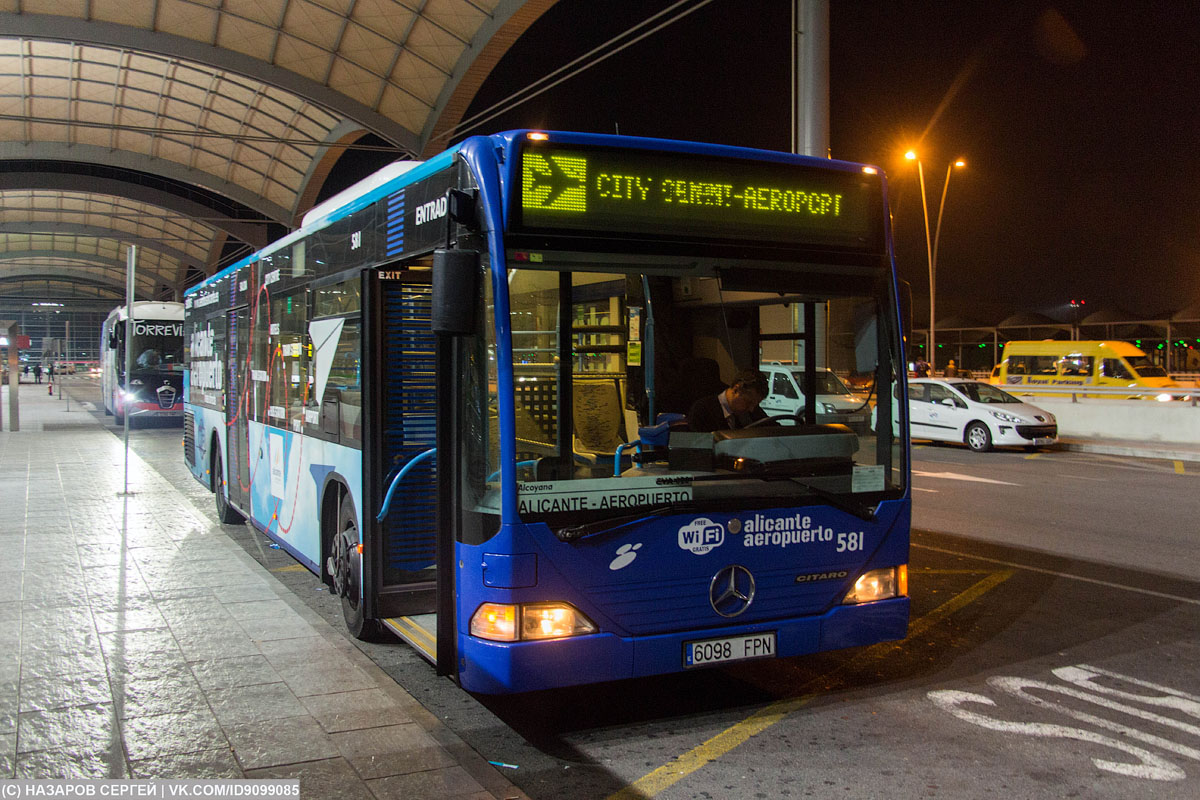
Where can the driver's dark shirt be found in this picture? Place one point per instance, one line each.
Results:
(707, 415)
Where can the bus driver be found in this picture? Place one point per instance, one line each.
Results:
(735, 407)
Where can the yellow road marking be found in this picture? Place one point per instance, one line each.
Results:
(1033, 455)
(667, 775)
(292, 568)
(950, 572)
(1179, 467)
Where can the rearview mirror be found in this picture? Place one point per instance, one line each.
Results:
(455, 292)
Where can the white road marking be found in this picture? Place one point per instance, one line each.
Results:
(919, 489)
(1079, 678)
(955, 476)
(1177, 598)
(1153, 767)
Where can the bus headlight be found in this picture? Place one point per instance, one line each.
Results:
(553, 621)
(879, 584)
(503, 622)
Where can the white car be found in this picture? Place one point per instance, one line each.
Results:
(978, 414)
(835, 401)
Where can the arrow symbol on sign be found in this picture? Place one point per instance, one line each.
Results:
(552, 177)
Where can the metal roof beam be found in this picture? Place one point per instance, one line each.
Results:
(117, 265)
(68, 29)
(138, 162)
(252, 232)
(75, 229)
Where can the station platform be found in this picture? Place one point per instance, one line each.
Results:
(138, 640)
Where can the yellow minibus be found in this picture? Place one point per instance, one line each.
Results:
(1069, 363)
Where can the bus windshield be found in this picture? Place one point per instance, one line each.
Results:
(157, 351)
(582, 363)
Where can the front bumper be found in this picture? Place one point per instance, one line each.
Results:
(504, 667)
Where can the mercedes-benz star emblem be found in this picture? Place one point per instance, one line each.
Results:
(731, 591)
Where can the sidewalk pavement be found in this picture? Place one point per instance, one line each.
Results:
(137, 640)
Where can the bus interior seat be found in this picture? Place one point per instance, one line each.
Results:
(599, 416)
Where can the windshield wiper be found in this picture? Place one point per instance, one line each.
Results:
(861, 510)
(777, 473)
(601, 527)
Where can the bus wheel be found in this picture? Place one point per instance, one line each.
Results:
(345, 568)
(227, 514)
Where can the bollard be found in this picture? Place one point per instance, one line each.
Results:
(51, 389)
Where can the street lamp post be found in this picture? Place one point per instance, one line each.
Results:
(931, 246)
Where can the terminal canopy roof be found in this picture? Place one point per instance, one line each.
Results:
(202, 129)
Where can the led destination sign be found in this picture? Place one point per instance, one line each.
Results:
(664, 194)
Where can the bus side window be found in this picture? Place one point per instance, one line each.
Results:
(1077, 365)
(1114, 368)
(341, 403)
(1017, 365)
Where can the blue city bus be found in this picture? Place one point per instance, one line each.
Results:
(459, 395)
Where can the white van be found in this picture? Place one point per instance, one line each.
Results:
(835, 402)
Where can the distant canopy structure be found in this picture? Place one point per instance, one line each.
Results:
(1032, 325)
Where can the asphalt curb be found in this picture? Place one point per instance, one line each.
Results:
(1165, 450)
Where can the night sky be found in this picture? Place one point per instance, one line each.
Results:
(1079, 122)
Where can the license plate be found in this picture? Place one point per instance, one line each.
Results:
(1046, 440)
(732, 648)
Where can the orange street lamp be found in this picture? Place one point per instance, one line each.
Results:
(931, 246)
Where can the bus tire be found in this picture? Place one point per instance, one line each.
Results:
(226, 514)
(345, 569)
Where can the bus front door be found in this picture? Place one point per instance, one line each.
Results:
(237, 434)
(400, 430)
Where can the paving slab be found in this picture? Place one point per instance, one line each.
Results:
(138, 640)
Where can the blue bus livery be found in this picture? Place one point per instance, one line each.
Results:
(457, 394)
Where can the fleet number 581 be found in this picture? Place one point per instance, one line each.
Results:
(849, 542)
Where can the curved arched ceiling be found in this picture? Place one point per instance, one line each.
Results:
(189, 240)
(247, 99)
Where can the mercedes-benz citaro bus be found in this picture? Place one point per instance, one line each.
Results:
(458, 394)
(153, 387)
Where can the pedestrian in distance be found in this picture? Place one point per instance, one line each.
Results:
(921, 368)
(37, 373)
(951, 370)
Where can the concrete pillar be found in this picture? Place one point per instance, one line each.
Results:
(14, 376)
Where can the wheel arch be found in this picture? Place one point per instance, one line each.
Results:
(334, 486)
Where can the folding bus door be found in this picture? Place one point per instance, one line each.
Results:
(238, 399)
(400, 430)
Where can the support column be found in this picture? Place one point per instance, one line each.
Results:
(14, 377)
(810, 77)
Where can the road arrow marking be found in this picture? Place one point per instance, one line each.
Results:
(954, 476)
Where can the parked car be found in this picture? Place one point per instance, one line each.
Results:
(835, 402)
(977, 414)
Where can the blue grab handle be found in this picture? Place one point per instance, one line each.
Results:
(387, 500)
(617, 456)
